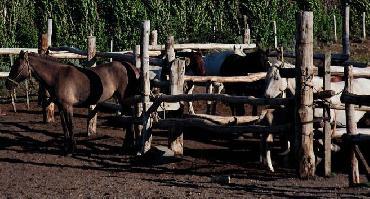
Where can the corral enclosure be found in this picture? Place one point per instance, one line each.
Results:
(204, 170)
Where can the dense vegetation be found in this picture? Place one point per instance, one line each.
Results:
(188, 20)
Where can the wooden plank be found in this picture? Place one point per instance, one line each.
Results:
(327, 125)
(16, 51)
(207, 46)
(220, 129)
(304, 95)
(248, 78)
(226, 120)
(355, 99)
(319, 56)
(351, 126)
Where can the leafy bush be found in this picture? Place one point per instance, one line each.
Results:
(188, 20)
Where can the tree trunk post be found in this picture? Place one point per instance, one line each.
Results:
(154, 37)
(44, 97)
(326, 115)
(275, 35)
(345, 27)
(144, 52)
(304, 94)
(351, 126)
(364, 25)
(92, 113)
(138, 128)
(247, 31)
(175, 135)
(111, 49)
(335, 29)
(50, 31)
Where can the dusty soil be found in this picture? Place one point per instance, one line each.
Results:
(32, 165)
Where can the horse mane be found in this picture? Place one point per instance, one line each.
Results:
(44, 56)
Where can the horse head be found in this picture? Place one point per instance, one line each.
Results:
(196, 64)
(275, 84)
(20, 71)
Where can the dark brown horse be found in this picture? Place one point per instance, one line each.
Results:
(71, 86)
(236, 65)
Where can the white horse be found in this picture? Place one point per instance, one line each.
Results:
(277, 85)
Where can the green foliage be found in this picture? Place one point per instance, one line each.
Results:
(21, 21)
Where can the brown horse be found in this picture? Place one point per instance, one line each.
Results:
(236, 65)
(71, 86)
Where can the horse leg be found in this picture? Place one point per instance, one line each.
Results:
(265, 156)
(218, 88)
(129, 142)
(91, 120)
(190, 104)
(209, 90)
(64, 126)
(69, 121)
(265, 152)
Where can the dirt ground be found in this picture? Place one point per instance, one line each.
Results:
(32, 165)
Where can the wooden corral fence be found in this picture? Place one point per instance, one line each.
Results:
(353, 136)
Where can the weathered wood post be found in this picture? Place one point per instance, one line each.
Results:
(92, 113)
(351, 126)
(50, 31)
(304, 94)
(138, 128)
(177, 71)
(111, 49)
(47, 106)
(326, 115)
(153, 37)
(247, 31)
(51, 107)
(345, 26)
(335, 29)
(275, 35)
(144, 52)
(175, 135)
(364, 25)
(12, 92)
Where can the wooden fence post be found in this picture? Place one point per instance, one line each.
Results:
(12, 92)
(111, 49)
(138, 128)
(335, 29)
(247, 31)
(275, 35)
(304, 94)
(153, 37)
(47, 107)
(92, 113)
(144, 52)
(175, 135)
(326, 115)
(50, 31)
(345, 27)
(351, 126)
(364, 25)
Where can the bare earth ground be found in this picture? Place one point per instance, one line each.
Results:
(32, 164)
